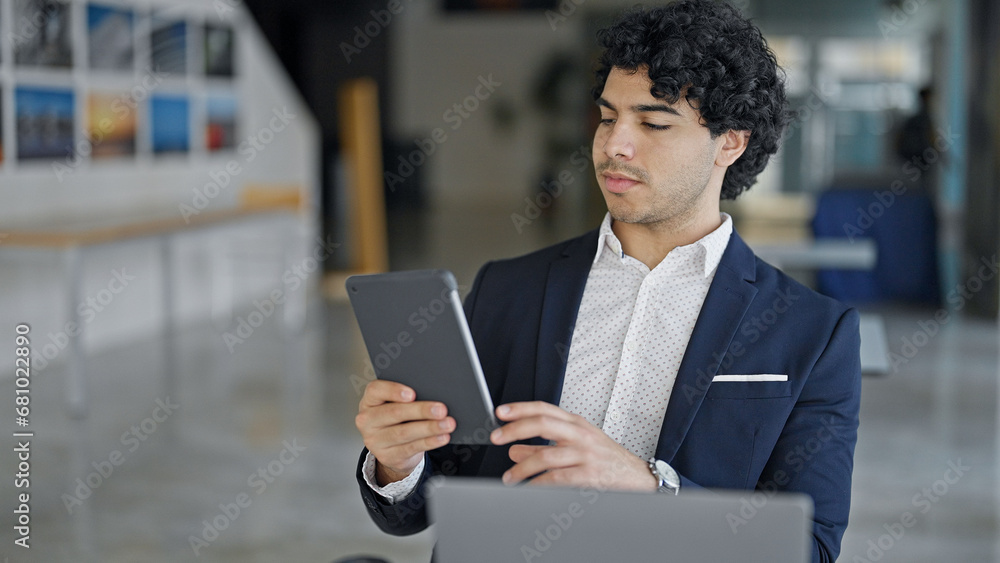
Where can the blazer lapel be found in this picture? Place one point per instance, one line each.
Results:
(563, 292)
(728, 298)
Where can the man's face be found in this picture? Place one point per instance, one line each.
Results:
(654, 161)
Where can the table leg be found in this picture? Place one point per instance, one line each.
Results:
(169, 323)
(76, 385)
(295, 308)
(293, 320)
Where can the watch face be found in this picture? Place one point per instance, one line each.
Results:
(667, 473)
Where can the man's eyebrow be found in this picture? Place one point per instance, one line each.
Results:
(647, 108)
(642, 108)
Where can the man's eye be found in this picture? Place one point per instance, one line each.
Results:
(655, 127)
(608, 121)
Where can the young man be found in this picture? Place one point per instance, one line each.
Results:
(656, 353)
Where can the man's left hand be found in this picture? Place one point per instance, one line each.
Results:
(582, 455)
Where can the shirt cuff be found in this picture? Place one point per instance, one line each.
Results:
(393, 492)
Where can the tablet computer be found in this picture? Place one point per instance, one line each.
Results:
(416, 334)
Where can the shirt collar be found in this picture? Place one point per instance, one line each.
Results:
(713, 244)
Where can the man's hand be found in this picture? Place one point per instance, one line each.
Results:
(583, 455)
(397, 429)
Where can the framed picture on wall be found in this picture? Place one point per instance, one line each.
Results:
(110, 125)
(110, 37)
(169, 45)
(219, 45)
(220, 129)
(44, 122)
(42, 33)
(170, 124)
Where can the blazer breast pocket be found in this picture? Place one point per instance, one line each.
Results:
(746, 387)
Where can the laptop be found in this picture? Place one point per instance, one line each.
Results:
(484, 521)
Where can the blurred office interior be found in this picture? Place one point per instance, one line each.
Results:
(187, 183)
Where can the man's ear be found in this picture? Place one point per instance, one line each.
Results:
(733, 145)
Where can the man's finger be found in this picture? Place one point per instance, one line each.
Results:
(524, 409)
(546, 427)
(380, 391)
(390, 414)
(410, 449)
(407, 433)
(546, 458)
(518, 452)
(570, 476)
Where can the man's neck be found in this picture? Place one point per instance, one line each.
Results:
(651, 242)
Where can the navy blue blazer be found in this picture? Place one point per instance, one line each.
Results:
(795, 435)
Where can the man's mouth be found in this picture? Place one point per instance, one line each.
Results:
(619, 183)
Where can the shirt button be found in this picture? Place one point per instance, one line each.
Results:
(616, 416)
(631, 346)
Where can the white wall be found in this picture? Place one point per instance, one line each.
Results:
(32, 194)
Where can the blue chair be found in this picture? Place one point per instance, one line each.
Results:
(904, 229)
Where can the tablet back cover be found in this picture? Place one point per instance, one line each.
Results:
(415, 332)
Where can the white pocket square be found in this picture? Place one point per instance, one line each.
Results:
(752, 377)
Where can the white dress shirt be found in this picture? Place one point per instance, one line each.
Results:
(631, 332)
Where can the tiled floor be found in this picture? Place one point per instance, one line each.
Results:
(287, 411)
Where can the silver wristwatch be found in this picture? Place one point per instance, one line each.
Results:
(667, 480)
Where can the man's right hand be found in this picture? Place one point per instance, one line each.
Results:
(397, 429)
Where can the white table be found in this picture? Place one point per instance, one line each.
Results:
(73, 238)
(827, 254)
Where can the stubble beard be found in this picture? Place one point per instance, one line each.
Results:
(667, 207)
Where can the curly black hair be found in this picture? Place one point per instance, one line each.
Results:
(722, 63)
